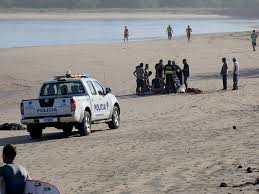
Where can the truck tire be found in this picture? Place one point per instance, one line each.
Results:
(35, 132)
(68, 130)
(85, 127)
(115, 123)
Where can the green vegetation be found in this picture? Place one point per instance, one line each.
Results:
(94, 4)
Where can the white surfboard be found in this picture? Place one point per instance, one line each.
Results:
(2, 186)
(40, 187)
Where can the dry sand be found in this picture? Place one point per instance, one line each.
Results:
(166, 143)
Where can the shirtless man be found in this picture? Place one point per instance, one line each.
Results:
(126, 34)
(188, 32)
(169, 31)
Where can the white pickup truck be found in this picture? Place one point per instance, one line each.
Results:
(67, 102)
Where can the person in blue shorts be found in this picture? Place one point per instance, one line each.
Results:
(14, 175)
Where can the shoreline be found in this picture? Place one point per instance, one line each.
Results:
(117, 43)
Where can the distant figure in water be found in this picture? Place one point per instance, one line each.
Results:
(169, 31)
(126, 34)
(189, 33)
(254, 37)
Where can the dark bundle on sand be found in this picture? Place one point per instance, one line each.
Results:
(11, 126)
(194, 90)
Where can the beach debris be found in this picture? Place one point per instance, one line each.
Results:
(234, 127)
(240, 166)
(11, 127)
(223, 184)
(194, 90)
(249, 170)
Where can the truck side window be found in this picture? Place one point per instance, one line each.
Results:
(91, 87)
(99, 88)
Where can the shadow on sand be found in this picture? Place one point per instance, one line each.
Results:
(244, 73)
(25, 139)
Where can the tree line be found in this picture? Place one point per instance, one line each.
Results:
(95, 4)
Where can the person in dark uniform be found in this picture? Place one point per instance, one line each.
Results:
(169, 77)
(186, 73)
(224, 73)
(159, 69)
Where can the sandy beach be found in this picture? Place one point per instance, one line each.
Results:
(167, 143)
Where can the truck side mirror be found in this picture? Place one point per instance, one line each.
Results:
(108, 90)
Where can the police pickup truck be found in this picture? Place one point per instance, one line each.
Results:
(70, 101)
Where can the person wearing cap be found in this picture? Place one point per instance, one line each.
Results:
(253, 38)
(188, 32)
(224, 73)
(14, 175)
(235, 74)
(169, 77)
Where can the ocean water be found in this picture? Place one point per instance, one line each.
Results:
(26, 33)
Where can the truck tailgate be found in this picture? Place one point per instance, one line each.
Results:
(46, 107)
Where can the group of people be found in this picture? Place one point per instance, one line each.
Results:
(224, 73)
(168, 78)
(169, 31)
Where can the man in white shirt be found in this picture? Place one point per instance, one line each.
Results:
(235, 74)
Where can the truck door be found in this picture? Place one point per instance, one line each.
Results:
(97, 101)
(103, 106)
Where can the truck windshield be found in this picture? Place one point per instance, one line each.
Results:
(62, 88)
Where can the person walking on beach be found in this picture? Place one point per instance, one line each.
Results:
(126, 34)
(186, 73)
(235, 74)
(139, 74)
(169, 31)
(224, 73)
(254, 37)
(14, 175)
(188, 32)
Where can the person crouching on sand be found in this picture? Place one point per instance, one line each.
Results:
(14, 175)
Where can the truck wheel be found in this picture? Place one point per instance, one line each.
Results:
(85, 127)
(35, 132)
(68, 130)
(115, 123)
